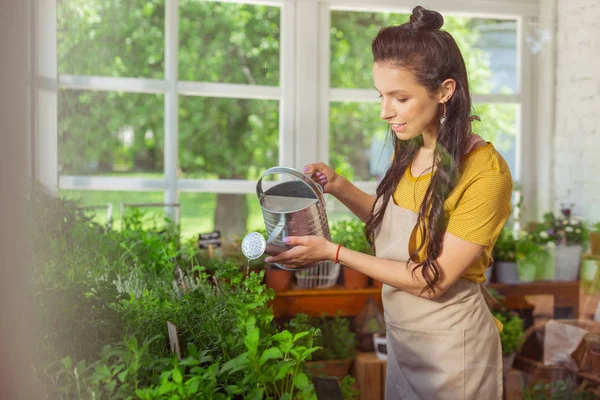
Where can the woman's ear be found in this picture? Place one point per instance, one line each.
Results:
(447, 90)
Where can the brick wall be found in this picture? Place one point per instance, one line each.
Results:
(577, 144)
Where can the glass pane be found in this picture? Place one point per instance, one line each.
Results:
(97, 204)
(110, 133)
(111, 38)
(489, 48)
(357, 140)
(233, 214)
(227, 138)
(228, 43)
(499, 126)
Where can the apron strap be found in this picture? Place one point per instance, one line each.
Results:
(489, 298)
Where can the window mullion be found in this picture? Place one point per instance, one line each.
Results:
(171, 103)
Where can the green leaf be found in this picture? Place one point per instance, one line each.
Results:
(235, 364)
(269, 354)
(177, 378)
(189, 362)
(256, 394)
(67, 362)
(251, 340)
(301, 380)
(305, 354)
(283, 368)
(299, 336)
(193, 387)
(122, 376)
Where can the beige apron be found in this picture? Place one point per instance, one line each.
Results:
(448, 348)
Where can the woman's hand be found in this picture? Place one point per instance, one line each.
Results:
(325, 176)
(305, 250)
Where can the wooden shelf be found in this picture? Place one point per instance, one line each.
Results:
(347, 302)
(315, 302)
(566, 294)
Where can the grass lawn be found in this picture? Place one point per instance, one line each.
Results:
(196, 212)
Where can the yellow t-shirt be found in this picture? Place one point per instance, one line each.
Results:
(477, 208)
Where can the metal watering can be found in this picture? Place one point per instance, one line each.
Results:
(293, 207)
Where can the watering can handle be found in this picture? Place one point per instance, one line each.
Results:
(294, 174)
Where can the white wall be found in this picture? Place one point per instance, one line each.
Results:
(577, 119)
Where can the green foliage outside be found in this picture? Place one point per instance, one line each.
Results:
(112, 133)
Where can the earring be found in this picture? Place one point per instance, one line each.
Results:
(443, 119)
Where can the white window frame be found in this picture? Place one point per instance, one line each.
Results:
(304, 93)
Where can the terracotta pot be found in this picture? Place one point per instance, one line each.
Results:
(354, 279)
(595, 243)
(329, 368)
(278, 279)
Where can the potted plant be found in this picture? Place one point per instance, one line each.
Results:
(504, 255)
(534, 261)
(368, 323)
(276, 278)
(511, 336)
(338, 347)
(568, 234)
(350, 234)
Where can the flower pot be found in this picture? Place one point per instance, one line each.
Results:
(354, 279)
(380, 345)
(506, 272)
(595, 243)
(278, 279)
(489, 274)
(567, 259)
(329, 368)
(588, 270)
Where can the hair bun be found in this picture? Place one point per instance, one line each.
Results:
(426, 20)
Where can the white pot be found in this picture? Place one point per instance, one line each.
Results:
(380, 344)
(506, 272)
(567, 259)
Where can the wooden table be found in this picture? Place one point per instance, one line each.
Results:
(315, 302)
(369, 372)
(566, 295)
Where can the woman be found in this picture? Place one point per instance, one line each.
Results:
(433, 223)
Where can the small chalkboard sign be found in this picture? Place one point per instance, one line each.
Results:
(209, 240)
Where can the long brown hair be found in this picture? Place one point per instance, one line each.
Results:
(432, 56)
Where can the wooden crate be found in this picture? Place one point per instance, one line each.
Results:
(369, 372)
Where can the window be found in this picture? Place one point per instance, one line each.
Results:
(191, 100)
(114, 130)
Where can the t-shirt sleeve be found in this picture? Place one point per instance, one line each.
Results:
(483, 209)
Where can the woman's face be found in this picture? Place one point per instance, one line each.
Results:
(406, 105)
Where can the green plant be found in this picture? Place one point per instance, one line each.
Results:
(563, 228)
(556, 390)
(93, 284)
(350, 234)
(347, 388)
(336, 338)
(505, 248)
(511, 336)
